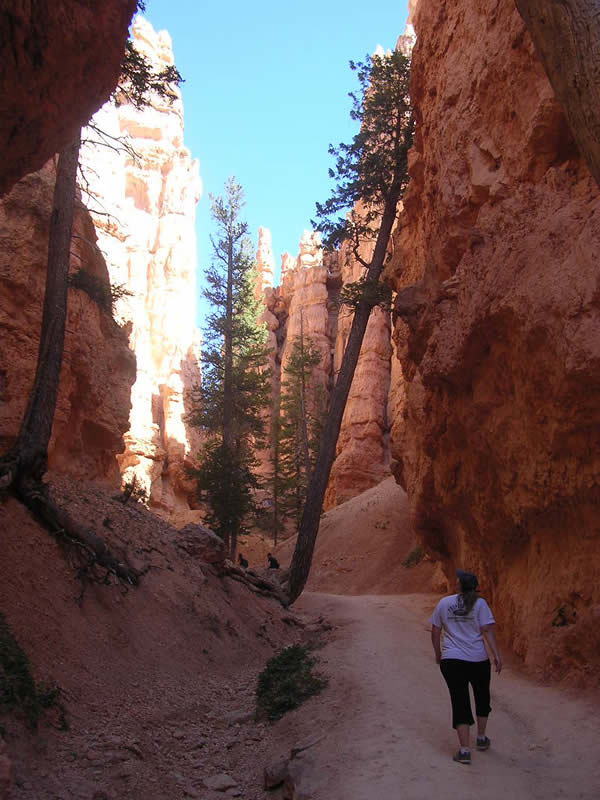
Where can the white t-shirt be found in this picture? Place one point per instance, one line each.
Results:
(461, 636)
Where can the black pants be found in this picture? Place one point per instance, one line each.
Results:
(458, 675)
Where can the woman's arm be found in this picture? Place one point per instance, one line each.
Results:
(436, 635)
(487, 631)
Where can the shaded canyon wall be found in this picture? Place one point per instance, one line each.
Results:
(63, 62)
(496, 427)
(98, 368)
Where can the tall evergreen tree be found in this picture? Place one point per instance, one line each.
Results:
(235, 379)
(302, 408)
(371, 171)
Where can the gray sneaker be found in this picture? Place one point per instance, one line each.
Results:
(483, 743)
(462, 758)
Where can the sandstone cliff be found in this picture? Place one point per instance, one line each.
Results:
(496, 431)
(98, 367)
(63, 62)
(362, 459)
(149, 240)
(307, 300)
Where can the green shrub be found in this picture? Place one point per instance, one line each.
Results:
(286, 682)
(133, 490)
(18, 689)
(416, 555)
(101, 291)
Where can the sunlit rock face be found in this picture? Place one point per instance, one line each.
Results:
(149, 241)
(305, 289)
(496, 432)
(362, 458)
(306, 302)
(61, 59)
(98, 368)
(297, 307)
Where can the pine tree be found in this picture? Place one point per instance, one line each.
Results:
(302, 407)
(371, 174)
(235, 379)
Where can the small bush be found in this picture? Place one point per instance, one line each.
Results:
(375, 293)
(101, 291)
(415, 556)
(133, 490)
(286, 682)
(18, 689)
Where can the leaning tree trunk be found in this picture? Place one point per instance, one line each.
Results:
(29, 454)
(315, 493)
(23, 468)
(566, 35)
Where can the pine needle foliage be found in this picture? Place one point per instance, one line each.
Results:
(370, 174)
(302, 408)
(100, 290)
(139, 80)
(375, 163)
(236, 386)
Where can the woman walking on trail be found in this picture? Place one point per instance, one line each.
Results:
(466, 620)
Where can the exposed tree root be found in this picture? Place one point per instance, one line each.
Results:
(257, 584)
(34, 495)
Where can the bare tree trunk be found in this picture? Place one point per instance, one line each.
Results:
(309, 523)
(566, 35)
(23, 467)
(30, 451)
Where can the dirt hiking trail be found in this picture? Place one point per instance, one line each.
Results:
(385, 718)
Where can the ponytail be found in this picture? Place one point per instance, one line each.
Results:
(469, 599)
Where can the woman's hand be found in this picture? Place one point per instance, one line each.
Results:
(497, 663)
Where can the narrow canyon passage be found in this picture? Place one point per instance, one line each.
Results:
(386, 717)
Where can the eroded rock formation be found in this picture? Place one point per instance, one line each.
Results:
(149, 241)
(496, 431)
(307, 301)
(98, 368)
(60, 62)
(362, 458)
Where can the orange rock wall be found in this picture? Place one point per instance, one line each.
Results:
(307, 296)
(362, 459)
(98, 367)
(60, 61)
(496, 432)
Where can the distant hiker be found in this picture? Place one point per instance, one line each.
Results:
(466, 620)
(273, 563)
(243, 561)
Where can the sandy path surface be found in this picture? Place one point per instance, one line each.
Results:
(385, 717)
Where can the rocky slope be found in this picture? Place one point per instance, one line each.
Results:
(157, 681)
(497, 324)
(60, 62)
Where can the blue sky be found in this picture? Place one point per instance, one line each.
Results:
(265, 93)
